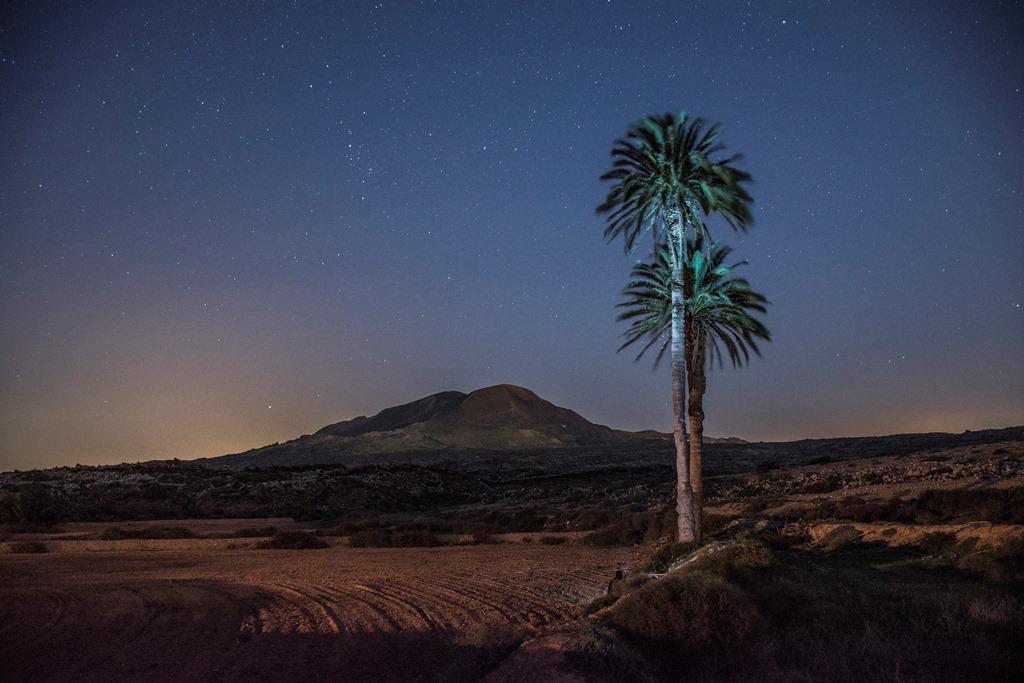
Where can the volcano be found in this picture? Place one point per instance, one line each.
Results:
(500, 417)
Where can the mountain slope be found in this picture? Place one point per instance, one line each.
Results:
(501, 417)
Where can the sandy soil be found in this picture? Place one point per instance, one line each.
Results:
(202, 613)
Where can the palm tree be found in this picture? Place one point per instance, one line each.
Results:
(720, 325)
(667, 175)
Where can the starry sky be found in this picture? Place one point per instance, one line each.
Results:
(228, 224)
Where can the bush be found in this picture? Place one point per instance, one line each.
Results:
(26, 547)
(820, 617)
(664, 556)
(840, 537)
(600, 603)
(618, 535)
(146, 532)
(694, 611)
(936, 542)
(388, 538)
(249, 532)
(711, 523)
(370, 538)
(760, 504)
(740, 562)
(33, 505)
(415, 538)
(527, 520)
(553, 540)
(988, 504)
(293, 540)
(860, 510)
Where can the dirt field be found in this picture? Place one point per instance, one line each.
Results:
(225, 614)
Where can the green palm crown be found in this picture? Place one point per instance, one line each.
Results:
(666, 164)
(721, 305)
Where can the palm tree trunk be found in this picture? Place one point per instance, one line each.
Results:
(695, 411)
(686, 532)
(686, 529)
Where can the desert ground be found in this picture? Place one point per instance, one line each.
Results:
(214, 609)
(885, 559)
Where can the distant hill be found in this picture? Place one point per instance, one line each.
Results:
(501, 417)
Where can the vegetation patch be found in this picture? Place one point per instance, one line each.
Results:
(250, 532)
(664, 556)
(744, 612)
(293, 540)
(694, 611)
(28, 547)
(553, 540)
(394, 538)
(840, 537)
(146, 532)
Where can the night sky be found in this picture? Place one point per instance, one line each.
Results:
(227, 226)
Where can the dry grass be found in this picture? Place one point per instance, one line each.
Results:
(741, 611)
(692, 611)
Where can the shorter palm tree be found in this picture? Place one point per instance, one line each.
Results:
(720, 326)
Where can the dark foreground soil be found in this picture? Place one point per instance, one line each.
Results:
(217, 614)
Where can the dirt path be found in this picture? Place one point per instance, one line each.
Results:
(244, 614)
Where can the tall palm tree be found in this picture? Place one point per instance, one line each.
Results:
(720, 325)
(666, 176)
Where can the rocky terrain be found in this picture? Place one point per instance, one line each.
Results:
(825, 560)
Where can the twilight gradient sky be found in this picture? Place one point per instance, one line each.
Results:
(223, 226)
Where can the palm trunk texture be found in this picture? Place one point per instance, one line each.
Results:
(695, 411)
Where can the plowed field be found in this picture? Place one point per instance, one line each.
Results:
(340, 613)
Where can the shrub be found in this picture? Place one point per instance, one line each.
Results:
(33, 505)
(388, 538)
(599, 653)
(26, 547)
(840, 537)
(760, 504)
(618, 535)
(741, 562)
(776, 537)
(146, 532)
(484, 538)
(370, 538)
(527, 520)
(995, 610)
(553, 540)
(694, 611)
(249, 532)
(658, 525)
(415, 538)
(988, 504)
(984, 564)
(663, 557)
(820, 617)
(711, 523)
(936, 542)
(293, 540)
(600, 604)
(860, 510)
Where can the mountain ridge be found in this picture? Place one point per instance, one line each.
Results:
(499, 417)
